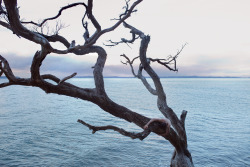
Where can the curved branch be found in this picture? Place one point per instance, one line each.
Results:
(145, 82)
(5, 68)
(98, 68)
(142, 135)
(36, 63)
(91, 16)
(57, 38)
(55, 17)
(13, 80)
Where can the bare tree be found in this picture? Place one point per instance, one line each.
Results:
(177, 134)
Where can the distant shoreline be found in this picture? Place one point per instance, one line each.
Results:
(3, 77)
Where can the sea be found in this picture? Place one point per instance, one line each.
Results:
(39, 129)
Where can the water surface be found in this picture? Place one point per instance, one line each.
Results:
(39, 129)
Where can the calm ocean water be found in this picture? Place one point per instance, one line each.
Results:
(38, 129)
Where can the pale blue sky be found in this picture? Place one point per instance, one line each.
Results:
(217, 33)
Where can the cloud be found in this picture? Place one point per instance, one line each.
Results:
(63, 65)
(57, 65)
(18, 62)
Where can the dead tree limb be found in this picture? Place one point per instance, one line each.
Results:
(142, 135)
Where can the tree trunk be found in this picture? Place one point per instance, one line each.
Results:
(181, 160)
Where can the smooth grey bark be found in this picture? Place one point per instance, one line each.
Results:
(97, 95)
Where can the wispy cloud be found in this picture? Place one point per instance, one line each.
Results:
(66, 65)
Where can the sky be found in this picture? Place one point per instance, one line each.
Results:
(217, 33)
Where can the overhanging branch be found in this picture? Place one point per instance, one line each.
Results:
(142, 135)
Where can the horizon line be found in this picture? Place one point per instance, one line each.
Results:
(159, 77)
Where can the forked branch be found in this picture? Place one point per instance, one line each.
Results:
(128, 61)
(139, 74)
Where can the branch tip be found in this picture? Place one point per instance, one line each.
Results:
(66, 78)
